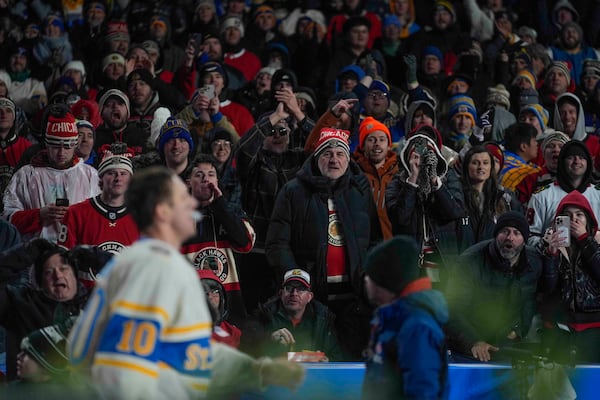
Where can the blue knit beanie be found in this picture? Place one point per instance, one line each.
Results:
(174, 128)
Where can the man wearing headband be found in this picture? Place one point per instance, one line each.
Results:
(39, 194)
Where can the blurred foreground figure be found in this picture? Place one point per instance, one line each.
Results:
(146, 330)
(407, 350)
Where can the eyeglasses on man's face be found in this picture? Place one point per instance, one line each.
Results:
(377, 95)
(300, 289)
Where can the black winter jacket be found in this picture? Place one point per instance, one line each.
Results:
(297, 235)
(435, 217)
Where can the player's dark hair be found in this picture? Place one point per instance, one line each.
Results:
(147, 189)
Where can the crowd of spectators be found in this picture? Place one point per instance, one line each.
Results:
(308, 132)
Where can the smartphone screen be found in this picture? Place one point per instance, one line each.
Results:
(207, 90)
(563, 223)
(62, 202)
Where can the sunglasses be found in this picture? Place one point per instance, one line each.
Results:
(281, 131)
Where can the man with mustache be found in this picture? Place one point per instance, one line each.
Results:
(491, 291)
(293, 320)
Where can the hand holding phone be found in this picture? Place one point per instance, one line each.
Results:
(207, 90)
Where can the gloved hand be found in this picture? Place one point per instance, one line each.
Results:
(280, 372)
(411, 68)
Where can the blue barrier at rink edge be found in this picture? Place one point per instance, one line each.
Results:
(343, 381)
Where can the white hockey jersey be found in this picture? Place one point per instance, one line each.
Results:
(145, 333)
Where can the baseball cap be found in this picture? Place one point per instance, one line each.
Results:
(298, 275)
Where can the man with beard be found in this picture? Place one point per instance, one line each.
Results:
(491, 291)
(376, 104)
(264, 163)
(293, 321)
(115, 111)
(26, 91)
(146, 105)
(379, 164)
(570, 48)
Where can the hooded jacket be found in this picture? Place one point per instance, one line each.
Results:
(592, 142)
(408, 349)
(574, 284)
(411, 26)
(579, 133)
(223, 331)
(543, 204)
(433, 217)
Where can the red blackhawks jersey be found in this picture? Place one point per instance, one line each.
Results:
(93, 222)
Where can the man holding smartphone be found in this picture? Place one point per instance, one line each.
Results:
(38, 194)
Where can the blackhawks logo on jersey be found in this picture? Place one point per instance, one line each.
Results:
(112, 247)
(214, 259)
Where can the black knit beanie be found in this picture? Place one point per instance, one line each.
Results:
(513, 219)
(393, 264)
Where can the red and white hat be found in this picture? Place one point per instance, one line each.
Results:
(298, 275)
(332, 137)
(62, 131)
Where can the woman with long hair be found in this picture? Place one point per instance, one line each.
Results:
(484, 200)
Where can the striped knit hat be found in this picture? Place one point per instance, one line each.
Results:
(554, 136)
(526, 74)
(540, 113)
(62, 131)
(563, 67)
(115, 162)
(445, 5)
(331, 137)
(498, 95)
(462, 105)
